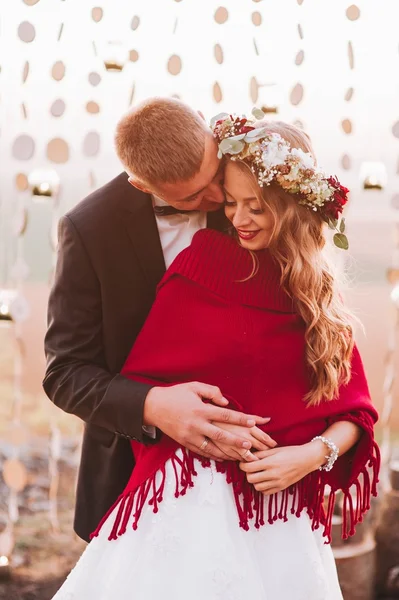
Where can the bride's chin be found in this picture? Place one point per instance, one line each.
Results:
(253, 245)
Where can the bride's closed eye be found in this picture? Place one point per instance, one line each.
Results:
(253, 211)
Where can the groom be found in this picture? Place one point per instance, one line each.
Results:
(113, 250)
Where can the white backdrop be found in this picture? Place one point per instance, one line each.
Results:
(284, 46)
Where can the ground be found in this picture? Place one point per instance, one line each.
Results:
(46, 558)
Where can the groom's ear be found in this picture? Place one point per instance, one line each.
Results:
(139, 185)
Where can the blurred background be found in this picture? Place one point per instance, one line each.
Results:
(69, 70)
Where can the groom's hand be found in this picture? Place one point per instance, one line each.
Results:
(259, 441)
(179, 412)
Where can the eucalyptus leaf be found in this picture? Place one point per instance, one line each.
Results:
(237, 147)
(332, 224)
(258, 113)
(342, 225)
(231, 146)
(341, 241)
(256, 134)
(218, 117)
(237, 138)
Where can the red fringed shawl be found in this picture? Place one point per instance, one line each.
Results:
(245, 337)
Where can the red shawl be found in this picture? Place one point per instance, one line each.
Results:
(245, 337)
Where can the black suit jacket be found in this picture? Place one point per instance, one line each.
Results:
(109, 263)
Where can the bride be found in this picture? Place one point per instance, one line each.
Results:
(279, 341)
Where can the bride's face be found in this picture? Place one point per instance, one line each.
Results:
(250, 218)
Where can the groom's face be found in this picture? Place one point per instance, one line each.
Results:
(204, 191)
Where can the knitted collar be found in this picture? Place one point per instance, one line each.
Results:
(217, 261)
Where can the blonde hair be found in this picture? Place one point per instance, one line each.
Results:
(162, 140)
(297, 243)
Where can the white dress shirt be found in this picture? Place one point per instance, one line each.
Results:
(177, 231)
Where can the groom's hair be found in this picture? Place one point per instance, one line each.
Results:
(162, 140)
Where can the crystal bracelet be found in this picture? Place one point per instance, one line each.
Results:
(334, 452)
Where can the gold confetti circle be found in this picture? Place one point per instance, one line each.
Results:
(221, 15)
(349, 94)
(174, 64)
(21, 182)
(92, 107)
(94, 78)
(300, 2)
(91, 144)
(97, 14)
(25, 72)
(298, 123)
(58, 151)
(23, 147)
(300, 31)
(256, 18)
(346, 126)
(26, 32)
(133, 55)
(58, 70)
(351, 56)
(395, 129)
(57, 108)
(217, 92)
(353, 12)
(15, 475)
(31, 2)
(296, 95)
(346, 162)
(300, 57)
(218, 52)
(135, 22)
(20, 221)
(254, 90)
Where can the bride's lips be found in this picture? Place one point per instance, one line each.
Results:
(247, 235)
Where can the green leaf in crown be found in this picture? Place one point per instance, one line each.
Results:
(341, 241)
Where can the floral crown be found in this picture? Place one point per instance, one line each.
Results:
(271, 158)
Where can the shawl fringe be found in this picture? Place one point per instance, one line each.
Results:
(312, 494)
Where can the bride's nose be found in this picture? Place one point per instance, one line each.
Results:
(241, 217)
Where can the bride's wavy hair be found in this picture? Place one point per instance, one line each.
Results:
(308, 276)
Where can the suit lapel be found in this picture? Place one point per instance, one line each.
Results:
(139, 221)
(142, 230)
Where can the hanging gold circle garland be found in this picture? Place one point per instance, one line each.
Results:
(174, 64)
(221, 15)
(15, 475)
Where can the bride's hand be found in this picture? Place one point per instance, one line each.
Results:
(257, 438)
(277, 469)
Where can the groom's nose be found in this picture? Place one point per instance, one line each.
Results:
(214, 192)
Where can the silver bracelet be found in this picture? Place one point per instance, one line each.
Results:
(334, 452)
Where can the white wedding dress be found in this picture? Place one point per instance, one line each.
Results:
(194, 549)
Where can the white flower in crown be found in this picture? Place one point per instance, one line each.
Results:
(306, 158)
(275, 151)
(271, 158)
